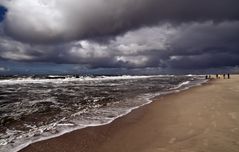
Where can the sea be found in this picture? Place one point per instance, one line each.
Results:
(35, 108)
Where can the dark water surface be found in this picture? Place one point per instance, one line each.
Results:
(33, 109)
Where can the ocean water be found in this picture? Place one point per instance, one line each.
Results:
(39, 108)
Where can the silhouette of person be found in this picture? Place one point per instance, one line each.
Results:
(224, 76)
(228, 76)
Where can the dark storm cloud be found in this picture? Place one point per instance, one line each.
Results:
(42, 21)
(167, 35)
(205, 61)
(188, 46)
(206, 45)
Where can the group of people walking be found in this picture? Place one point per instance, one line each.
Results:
(218, 76)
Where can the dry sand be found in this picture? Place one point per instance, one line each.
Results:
(202, 119)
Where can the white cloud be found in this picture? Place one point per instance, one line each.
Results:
(134, 61)
(58, 20)
(48, 21)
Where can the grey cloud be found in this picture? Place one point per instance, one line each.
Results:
(188, 46)
(205, 61)
(48, 21)
(205, 45)
(198, 38)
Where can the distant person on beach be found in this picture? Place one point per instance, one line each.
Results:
(228, 76)
(217, 76)
(224, 76)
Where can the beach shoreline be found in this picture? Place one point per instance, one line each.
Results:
(158, 126)
(94, 116)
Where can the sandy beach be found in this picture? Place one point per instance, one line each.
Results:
(201, 119)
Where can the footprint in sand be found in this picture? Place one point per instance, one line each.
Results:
(186, 151)
(233, 115)
(190, 132)
(161, 149)
(205, 142)
(234, 129)
(218, 113)
(214, 124)
(212, 116)
(172, 140)
(206, 131)
(212, 108)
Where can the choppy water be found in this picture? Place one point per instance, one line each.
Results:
(33, 109)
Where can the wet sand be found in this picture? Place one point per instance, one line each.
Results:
(202, 119)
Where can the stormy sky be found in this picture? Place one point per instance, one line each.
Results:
(119, 36)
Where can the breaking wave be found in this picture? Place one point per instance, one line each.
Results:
(39, 108)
